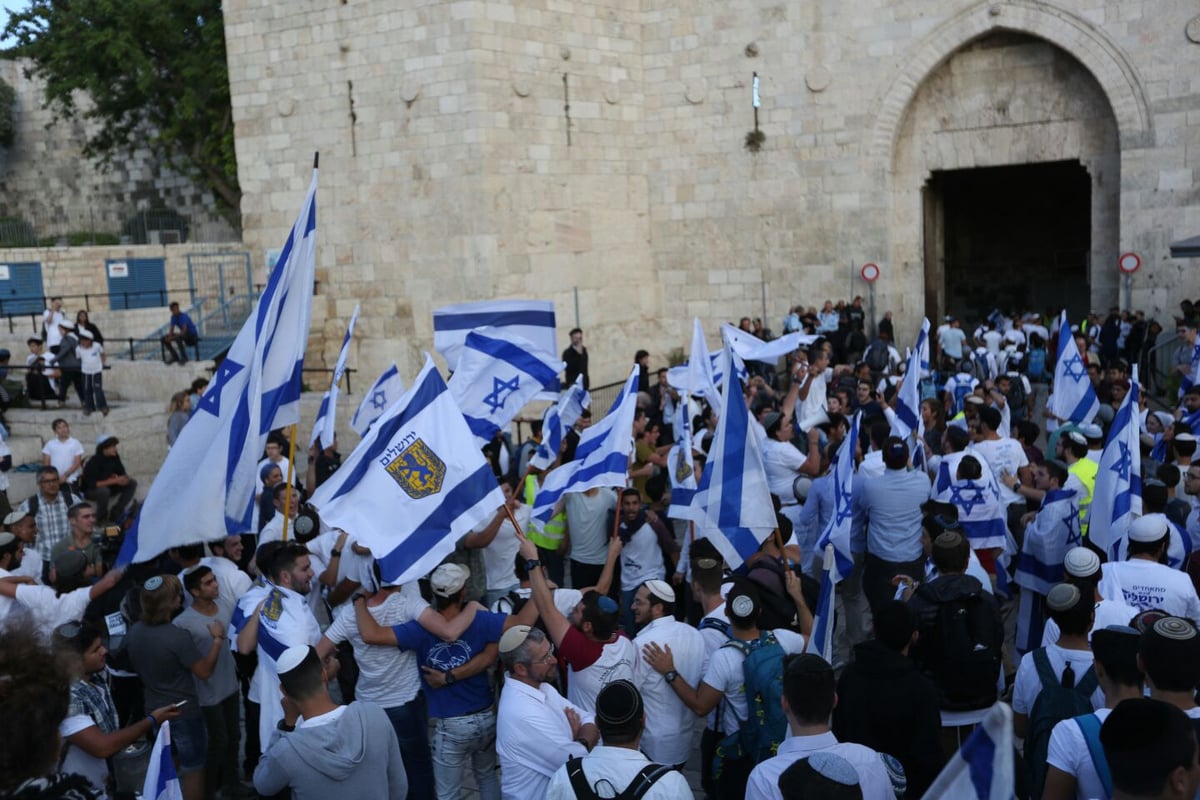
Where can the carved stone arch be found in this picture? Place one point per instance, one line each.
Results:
(1084, 41)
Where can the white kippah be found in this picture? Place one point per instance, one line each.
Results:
(662, 590)
(834, 767)
(290, 659)
(1081, 562)
(1149, 528)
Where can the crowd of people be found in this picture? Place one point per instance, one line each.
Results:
(592, 656)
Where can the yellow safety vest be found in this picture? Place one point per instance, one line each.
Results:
(549, 536)
(1085, 470)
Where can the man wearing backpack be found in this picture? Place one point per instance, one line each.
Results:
(744, 678)
(808, 701)
(621, 719)
(1077, 766)
(1055, 683)
(960, 632)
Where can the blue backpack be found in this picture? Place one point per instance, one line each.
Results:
(1035, 367)
(760, 734)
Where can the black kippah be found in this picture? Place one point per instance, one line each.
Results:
(618, 704)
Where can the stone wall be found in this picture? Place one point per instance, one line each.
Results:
(447, 173)
(46, 181)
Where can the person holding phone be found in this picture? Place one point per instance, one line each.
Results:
(168, 662)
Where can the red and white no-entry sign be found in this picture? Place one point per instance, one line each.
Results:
(870, 272)
(1129, 263)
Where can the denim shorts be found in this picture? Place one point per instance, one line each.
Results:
(189, 737)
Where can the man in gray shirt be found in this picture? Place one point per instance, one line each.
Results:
(321, 749)
(589, 528)
(219, 694)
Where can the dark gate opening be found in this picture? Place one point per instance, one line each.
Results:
(1013, 238)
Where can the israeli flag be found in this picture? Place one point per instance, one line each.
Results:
(1039, 565)
(1179, 545)
(558, 419)
(980, 513)
(749, 347)
(601, 457)
(162, 782)
(841, 521)
(386, 390)
(205, 488)
(947, 470)
(1073, 398)
(733, 489)
(498, 373)
(414, 485)
(821, 641)
(326, 424)
(701, 377)
(907, 423)
(682, 466)
(532, 320)
(1192, 421)
(1117, 496)
(982, 769)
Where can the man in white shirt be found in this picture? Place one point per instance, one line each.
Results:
(723, 682)
(1143, 580)
(620, 718)
(784, 462)
(284, 619)
(63, 452)
(1169, 654)
(537, 730)
(809, 697)
(11, 550)
(68, 596)
(669, 723)
(642, 552)
(1072, 753)
(1004, 456)
(23, 526)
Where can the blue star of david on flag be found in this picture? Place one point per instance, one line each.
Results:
(1074, 369)
(1073, 399)
(386, 390)
(1124, 462)
(378, 399)
(501, 391)
(837, 529)
(967, 504)
(1117, 495)
(211, 401)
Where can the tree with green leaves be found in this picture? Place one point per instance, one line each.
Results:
(8, 114)
(154, 75)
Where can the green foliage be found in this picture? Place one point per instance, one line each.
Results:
(155, 73)
(8, 114)
(80, 239)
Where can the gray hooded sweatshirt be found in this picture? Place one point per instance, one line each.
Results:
(355, 755)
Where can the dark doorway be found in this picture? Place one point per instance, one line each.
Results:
(1013, 238)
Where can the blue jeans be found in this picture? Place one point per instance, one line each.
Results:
(457, 739)
(189, 738)
(410, 721)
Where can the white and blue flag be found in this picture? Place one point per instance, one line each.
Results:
(749, 347)
(379, 398)
(414, 485)
(326, 425)
(499, 372)
(682, 466)
(907, 422)
(701, 370)
(980, 513)
(821, 641)
(1117, 496)
(558, 419)
(1039, 565)
(733, 489)
(205, 488)
(162, 781)
(983, 768)
(841, 521)
(601, 457)
(1073, 398)
(532, 320)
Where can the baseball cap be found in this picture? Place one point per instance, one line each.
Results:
(449, 579)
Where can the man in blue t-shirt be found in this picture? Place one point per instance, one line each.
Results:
(181, 334)
(455, 678)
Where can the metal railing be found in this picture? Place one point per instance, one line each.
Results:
(43, 302)
(101, 227)
(603, 397)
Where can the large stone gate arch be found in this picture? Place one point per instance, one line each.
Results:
(1087, 43)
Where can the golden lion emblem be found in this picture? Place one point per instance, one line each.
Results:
(418, 470)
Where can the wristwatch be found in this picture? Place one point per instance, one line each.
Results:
(670, 676)
(335, 553)
(530, 563)
(450, 679)
(283, 726)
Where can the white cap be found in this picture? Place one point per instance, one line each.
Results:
(290, 659)
(662, 590)
(1149, 528)
(449, 579)
(1081, 562)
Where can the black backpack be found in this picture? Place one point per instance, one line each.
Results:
(778, 610)
(637, 788)
(1055, 703)
(1016, 398)
(963, 652)
(877, 357)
